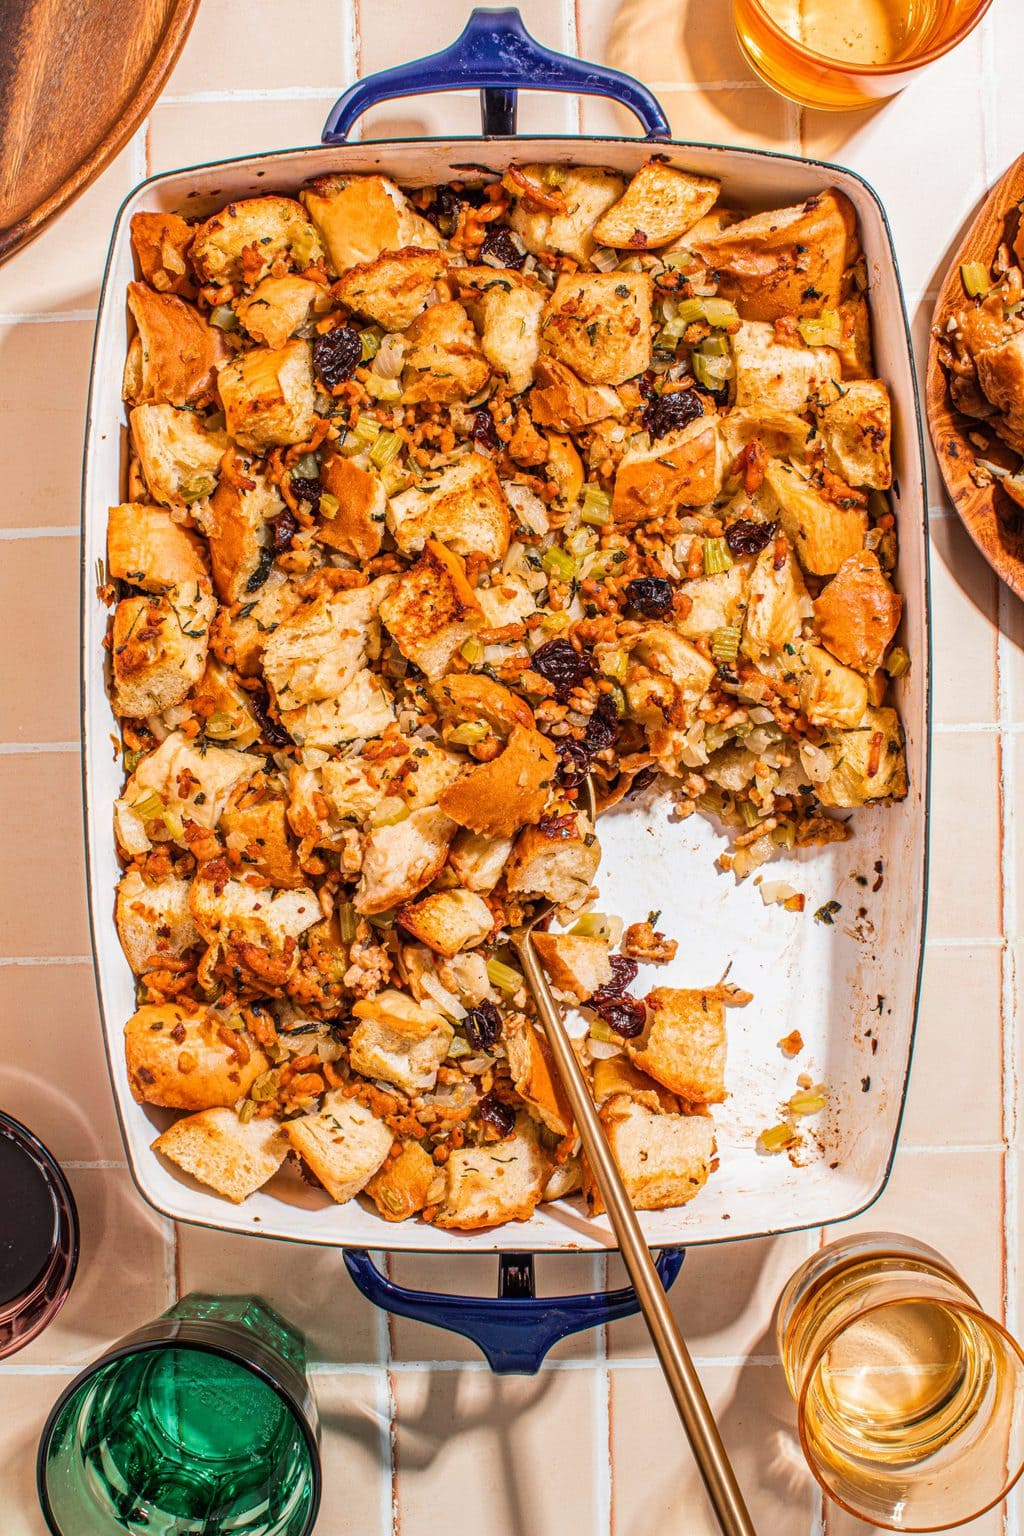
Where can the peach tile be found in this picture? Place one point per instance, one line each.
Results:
(41, 850)
(732, 115)
(392, 31)
(1014, 789)
(63, 268)
(663, 41)
(656, 1488)
(53, 1040)
(44, 379)
(271, 47)
(27, 1401)
(723, 1299)
(39, 581)
(357, 1489)
(506, 1454)
(920, 311)
(194, 133)
(964, 607)
(1004, 40)
(477, 1275)
(956, 1081)
(125, 1271)
(964, 889)
(456, 114)
(309, 1286)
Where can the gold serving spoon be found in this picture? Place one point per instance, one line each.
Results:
(676, 1362)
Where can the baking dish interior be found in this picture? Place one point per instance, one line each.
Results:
(850, 988)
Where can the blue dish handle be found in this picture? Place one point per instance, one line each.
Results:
(516, 1329)
(496, 53)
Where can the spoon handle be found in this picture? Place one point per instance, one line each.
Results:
(676, 1362)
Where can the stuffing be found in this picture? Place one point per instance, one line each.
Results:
(244, 241)
(508, 600)
(869, 762)
(279, 307)
(235, 521)
(405, 1183)
(161, 244)
(715, 602)
(399, 1041)
(174, 357)
(463, 506)
(858, 613)
(266, 848)
(249, 629)
(681, 469)
(471, 698)
(791, 261)
(774, 375)
(564, 466)
(146, 548)
(153, 919)
(223, 909)
(854, 348)
(179, 458)
(495, 799)
(316, 652)
(487, 1185)
(509, 310)
(158, 648)
(560, 398)
(444, 362)
(683, 1044)
(536, 1077)
(357, 527)
(393, 289)
(658, 206)
(822, 532)
(583, 194)
(478, 862)
(448, 921)
(556, 859)
(617, 1074)
(425, 773)
(666, 675)
(179, 780)
(400, 860)
(566, 1179)
(233, 1157)
(641, 942)
(268, 396)
(856, 431)
(665, 1160)
(362, 709)
(227, 707)
(830, 694)
(599, 325)
(355, 787)
(342, 1143)
(777, 603)
(432, 609)
(782, 434)
(576, 963)
(189, 1060)
(360, 217)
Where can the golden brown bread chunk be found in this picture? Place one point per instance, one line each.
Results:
(394, 288)
(823, 532)
(658, 206)
(858, 613)
(161, 243)
(278, 306)
(681, 469)
(267, 849)
(664, 1159)
(236, 525)
(268, 397)
(576, 963)
(447, 921)
(147, 548)
(233, 1157)
(463, 506)
(432, 609)
(470, 697)
(242, 242)
(536, 1077)
(560, 398)
(497, 798)
(153, 919)
(444, 362)
(556, 859)
(357, 527)
(403, 1185)
(401, 860)
(159, 647)
(178, 351)
(184, 1060)
(360, 217)
(487, 1185)
(599, 325)
(342, 1142)
(683, 1045)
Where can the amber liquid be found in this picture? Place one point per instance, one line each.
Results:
(861, 31)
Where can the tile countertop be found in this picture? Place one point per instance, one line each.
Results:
(412, 1415)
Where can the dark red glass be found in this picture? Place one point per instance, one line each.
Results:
(38, 1236)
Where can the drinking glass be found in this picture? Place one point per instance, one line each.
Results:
(38, 1236)
(910, 1400)
(839, 54)
(197, 1424)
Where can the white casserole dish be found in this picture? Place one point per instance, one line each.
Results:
(851, 989)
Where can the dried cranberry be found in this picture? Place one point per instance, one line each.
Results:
(499, 244)
(574, 762)
(627, 1015)
(285, 526)
(337, 354)
(624, 973)
(644, 779)
(307, 488)
(484, 431)
(650, 595)
(746, 538)
(667, 413)
(603, 726)
(501, 1116)
(482, 1025)
(273, 733)
(562, 666)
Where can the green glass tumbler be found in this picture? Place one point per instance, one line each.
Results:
(198, 1424)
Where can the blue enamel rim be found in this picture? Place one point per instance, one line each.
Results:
(504, 82)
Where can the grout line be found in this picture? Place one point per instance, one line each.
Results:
(138, 148)
(625, 1363)
(46, 316)
(9, 535)
(91, 1163)
(604, 1468)
(255, 93)
(45, 960)
(34, 748)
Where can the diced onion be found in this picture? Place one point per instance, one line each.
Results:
(390, 357)
(445, 1000)
(529, 508)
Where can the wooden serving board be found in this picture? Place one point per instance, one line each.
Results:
(993, 520)
(77, 77)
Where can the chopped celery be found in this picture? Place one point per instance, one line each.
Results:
(689, 312)
(716, 557)
(599, 1030)
(366, 431)
(826, 330)
(605, 564)
(597, 507)
(371, 340)
(615, 664)
(592, 925)
(389, 390)
(195, 490)
(750, 813)
(307, 467)
(472, 650)
(720, 312)
(555, 175)
(715, 346)
(505, 977)
(390, 812)
(175, 826)
(220, 725)
(975, 278)
(711, 802)
(224, 318)
(777, 1139)
(385, 446)
(469, 734)
(898, 664)
(808, 1101)
(712, 372)
(149, 808)
(554, 623)
(247, 1110)
(581, 542)
(347, 922)
(328, 505)
(557, 563)
(725, 643)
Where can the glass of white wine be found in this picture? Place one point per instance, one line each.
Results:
(910, 1400)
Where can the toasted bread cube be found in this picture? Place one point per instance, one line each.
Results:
(464, 507)
(782, 434)
(777, 604)
(360, 217)
(583, 193)
(316, 652)
(599, 325)
(485, 1186)
(617, 1074)
(716, 602)
(426, 773)
(403, 1185)
(357, 527)
(211, 777)
(576, 963)
(268, 396)
(870, 760)
(858, 613)
(681, 469)
(479, 862)
(177, 352)
(830, 694)
(444, 362)
(770, 374)
(508, 309)
(565, 467)
(790, 261)
(666, 676)
(854, 349)
(472, 698)
(147, 548)
(448, 921)
(363, 709)
(277, 308)
(153, 920)
(665, 1160)
(822, 532)
(159, 647)
(343, 1143)
(218, 1149)
(161, 243)
(683, 1045)
(242, 242)
(179, 459)
(659, 205)
(856, 430)
(399, 1041)
(497, 798)
(432, 610)
(267, 849)
(1001, 373)
(394, 288)
(183, 1060)
(250, 629)
(355, 787)
(235, 523)
(536, 1077)
(508, 600)
(555, 861)
(264, 918)
(560, 399)
(400, 860)
(566, 1179)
